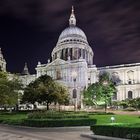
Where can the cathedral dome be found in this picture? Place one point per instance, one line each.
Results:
(72, 44)
(72, 31)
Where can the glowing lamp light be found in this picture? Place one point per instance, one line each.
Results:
(112, 119)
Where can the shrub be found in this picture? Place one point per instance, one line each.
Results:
(55, 115)
(43, 115)
(121, 130)
(129, 109)
(100, 113)
(11, 121)
(59, 122)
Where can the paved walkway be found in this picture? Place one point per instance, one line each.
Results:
(10, 136)
(25, 133)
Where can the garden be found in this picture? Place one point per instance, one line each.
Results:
(42, 91)
(101, 123)
(35, 118)
(47, 119)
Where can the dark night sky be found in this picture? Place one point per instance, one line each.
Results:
(29, 29)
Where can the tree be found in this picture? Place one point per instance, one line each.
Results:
(9, 89)
(62, 95)
(128, 103)
(30, 95)
(103, 90)
(44, 90)
(136, 103)
(108, 88)
(92, 94)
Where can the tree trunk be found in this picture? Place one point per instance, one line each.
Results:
(59, 108)
(17, 108)
(105, 107)
(5, 108)
(47, 106)
(35, 106)
(105, 103)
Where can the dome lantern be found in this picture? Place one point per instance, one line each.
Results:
(72, 20)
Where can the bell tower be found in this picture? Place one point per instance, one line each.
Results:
(25, 70)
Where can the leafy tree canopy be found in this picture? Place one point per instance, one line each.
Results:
(9, 89)
(100, 91)
(45, 90)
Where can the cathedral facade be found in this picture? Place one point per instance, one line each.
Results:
(72, 65)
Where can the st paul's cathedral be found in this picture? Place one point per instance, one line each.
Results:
(72, 65)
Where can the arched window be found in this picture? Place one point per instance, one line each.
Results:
(115, 78)
(130, 76)
(130, 95)
(74, 93)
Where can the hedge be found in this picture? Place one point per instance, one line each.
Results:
(121, 131)
(59, 122)
(55, 115)
(11, 121)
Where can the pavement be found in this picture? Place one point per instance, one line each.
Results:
(57, 133)
(27, 133)
(99, 137)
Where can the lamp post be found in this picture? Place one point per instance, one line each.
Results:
(105, 84)
(112, 119)
(74, 76)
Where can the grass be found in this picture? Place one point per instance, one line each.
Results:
(17, 118)
(125, 119)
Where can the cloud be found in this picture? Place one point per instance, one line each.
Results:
(46, 14)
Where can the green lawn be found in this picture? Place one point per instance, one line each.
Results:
(105, 119)
(17, 118)
(125, 126)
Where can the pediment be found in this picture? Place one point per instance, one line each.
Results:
(57, 62)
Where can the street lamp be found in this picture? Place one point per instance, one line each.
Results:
(105, 84)
(74, 76)
(112, 119)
